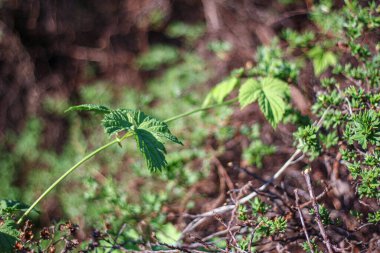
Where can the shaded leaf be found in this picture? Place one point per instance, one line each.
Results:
(153, 150)
(11, 206)
(8, 235)
(149, 132)
(90, 107)
(118, 120)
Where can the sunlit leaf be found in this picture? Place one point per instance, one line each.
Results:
(249, 92)
(221, 91)
(270, 94)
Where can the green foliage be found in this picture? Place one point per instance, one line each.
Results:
(363, 128)
(324, 214)
(350, 124)
(98, 92)
(259, 207)
(256, 150)
(328, 19)
(221, 91)
(8, 207)
(90, 107)
(8, 235)
(8, 228)
(219, 47)
(307, 140)
(322, 59)
(272, 63)
(370, 183)
(353, 119)
(190, 32)
(178, 79)
(156, 18)
(329, 140)
(374, 217)
(168, 234)
(150, 133)
(268, 227)
(264, 84)
(314, 247)
(270, 94)
(242, 213)
(157, 56)
(296, 40)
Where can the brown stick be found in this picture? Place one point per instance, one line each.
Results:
(302, 221)
(326, 240)
(326, 190)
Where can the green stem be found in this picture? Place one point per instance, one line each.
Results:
(117, 140)
(68, 172)
(228, 102)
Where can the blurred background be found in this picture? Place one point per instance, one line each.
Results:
(158, 56)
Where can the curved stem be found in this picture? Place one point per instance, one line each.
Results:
(228, 102)
(118, 141)
(69, 171)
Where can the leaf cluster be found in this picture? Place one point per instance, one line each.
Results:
(149, 132)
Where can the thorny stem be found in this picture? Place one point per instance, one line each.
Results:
(100, 149)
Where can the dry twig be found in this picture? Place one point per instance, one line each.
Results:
(200, 218)
(302, 221)
(316, 210)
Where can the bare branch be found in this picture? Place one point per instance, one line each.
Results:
(316, 210)
(302, 221)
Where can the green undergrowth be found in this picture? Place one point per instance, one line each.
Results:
(138, 185)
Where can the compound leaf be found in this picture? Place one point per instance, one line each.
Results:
(272, 104)
(150, 134)
(270, 94)
(90, 107)
(249, 92)
(221, 91)
(118, 120)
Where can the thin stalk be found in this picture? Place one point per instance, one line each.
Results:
(69, 171)
(228, 102)
(116, 141)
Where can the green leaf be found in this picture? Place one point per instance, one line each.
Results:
(149, 132)
(118, 120)
(8, 235)
(270, 94)
(322, 59)
(221, 91)
(249, 92)
(90, 107)
(10, 206)
(168, 233)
